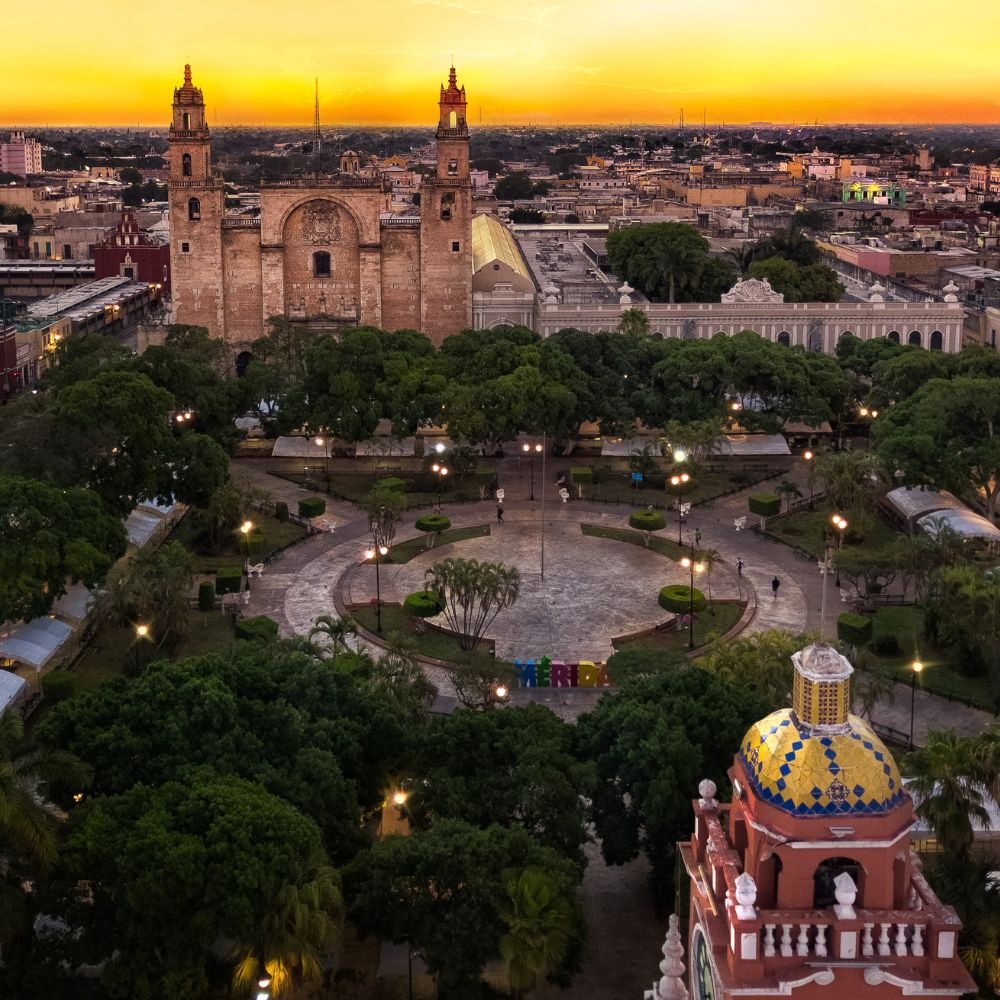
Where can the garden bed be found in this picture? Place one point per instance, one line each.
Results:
(278, 535)
(421, 489)
(717, 621)
(807, 530)
(665, 546)
(403, 552)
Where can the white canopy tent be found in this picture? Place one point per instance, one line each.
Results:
(619, 447)
(913, 502)
(141, 526)
(13, 690)
(34, 643)
(74, 606)
(962, 522)
(752, 445)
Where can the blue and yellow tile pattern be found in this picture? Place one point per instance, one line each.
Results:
(806, 772)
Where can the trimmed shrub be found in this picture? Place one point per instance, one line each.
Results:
(677, 599)
(433, 522)
(854, 629)
(206, 595)
(281, 511)
(392, 483)
(312, 507)
(765, 504)
(58, 686)
(647, 520)
(258, 627)
(422, 604)
(884, 645)
(581, 474)
(227, 579)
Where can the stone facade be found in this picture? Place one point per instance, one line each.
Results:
(324, 250)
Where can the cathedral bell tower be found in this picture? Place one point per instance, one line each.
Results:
(446, 223)
(197, 202)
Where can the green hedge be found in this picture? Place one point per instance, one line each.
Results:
(258, 627)
(281, 511)
(227, 579)
(677, 599)
(206, 595)
(312, 507)
(854, 629)
(392, 483)
(765, 504)
(647, 520)
(433, 522)
(581, 474)
(422, 604)
(58, 686)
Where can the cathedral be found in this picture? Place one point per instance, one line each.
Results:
(805, 884)
(325, 250)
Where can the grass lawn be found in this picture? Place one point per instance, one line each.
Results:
(396, 619)
(403, 552)
(938, 675)
(807, 529)
(660, 542)
(421, 489)
(619, 488)
(675, 641)
(277, 535)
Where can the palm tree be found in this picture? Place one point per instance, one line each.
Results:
(743, 256)
(871, 687)
(300, 927)
(709, 558)
(790, 490)
(336, 630)
(539, 928)
(680, 264)
(27, 822)
(947, 791)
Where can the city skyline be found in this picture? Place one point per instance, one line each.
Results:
(545, 64)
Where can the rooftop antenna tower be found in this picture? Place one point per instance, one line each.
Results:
(682, 120)
(317, 138)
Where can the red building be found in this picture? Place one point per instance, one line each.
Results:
(131, 253)
(805, 885)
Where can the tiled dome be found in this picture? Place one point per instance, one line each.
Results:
(809, 772)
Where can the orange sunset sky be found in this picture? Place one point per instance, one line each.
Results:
(554, 61)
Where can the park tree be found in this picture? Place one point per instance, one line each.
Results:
(231, 503)
(384, 507)
(515, 186)
(514, 768)
(442, 890)
(664, 260)
(50, 537)
(651, 745)
(472, 594)
(634, 322)
(799, 282)
(869, 570)
(760, 664)
(850, 479)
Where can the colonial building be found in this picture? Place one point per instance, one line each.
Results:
(324, 250)
(132, 253)
(805, 885)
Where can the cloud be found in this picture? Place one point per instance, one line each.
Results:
(538, 16)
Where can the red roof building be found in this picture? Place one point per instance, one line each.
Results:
(131, 253)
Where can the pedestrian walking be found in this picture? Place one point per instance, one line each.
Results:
(775, 584)
(739, 567)
(697, 537)
(499, 513)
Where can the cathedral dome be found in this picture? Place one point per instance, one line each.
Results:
(816, 759)
(806, 772)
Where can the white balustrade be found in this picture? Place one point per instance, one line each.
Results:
(786, 939)
(901, 939)
(802, 945)
(866, 942)
(821, 940)
(883, 940)
(769, 940)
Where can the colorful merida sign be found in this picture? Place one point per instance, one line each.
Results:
(547, 672)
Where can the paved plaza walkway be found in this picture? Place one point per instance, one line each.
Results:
(593, 588)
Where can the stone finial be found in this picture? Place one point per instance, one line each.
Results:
(551, 294)
(707, 790)
(625, 292)
(949, 292)
(671, 985)
(187, 74)
(846, 892)
(876, 293)
(746, 896)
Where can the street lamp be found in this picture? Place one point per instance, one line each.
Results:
(501, 692)
(141, 633)
(840, 524)
(694, 567)
(915, 669)
(531, 452)
(245, 528)
(399, 798)
(324, 444)
(872, 414)
(808, 456)
(679, 482)
(439, 471)
(263, 988)
(369, 555)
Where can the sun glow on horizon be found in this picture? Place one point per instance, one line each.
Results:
(546, 62)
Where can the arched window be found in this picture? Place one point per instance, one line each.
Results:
(937, 341)
(452, 120)
(242, 360)
(914, 338)
(785, 338)
(194, 209)
(187, 121)
(846, 333)
(186, 164)
(824, 890)
(321, 264)
(893, 335)
(815, 340)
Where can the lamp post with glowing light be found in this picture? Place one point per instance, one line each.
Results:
(679, 480)
(694, 567)
(840, 524)
(531, 451)
(325, 445)
(915, 669)
(263, 988)
(377, 555)
(141, 634)
(868, 415)
(440, 471)
(245, 528)
(809, 457)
